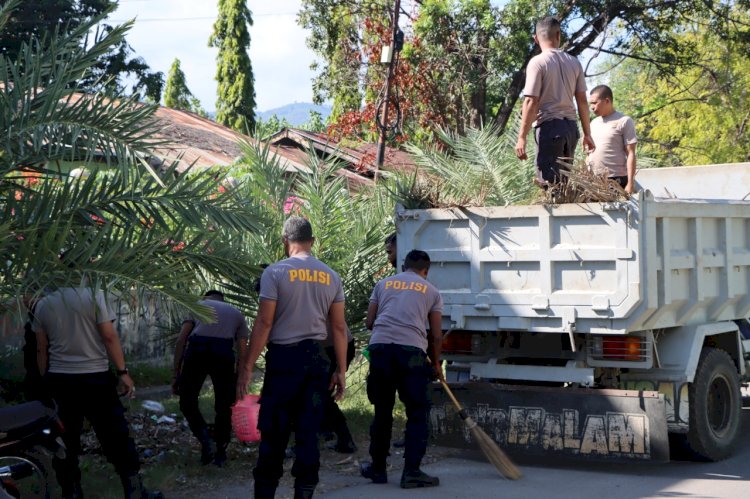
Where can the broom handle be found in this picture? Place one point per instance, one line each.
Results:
(452, 397)
(447, 389)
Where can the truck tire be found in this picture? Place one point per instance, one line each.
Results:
(715, 407)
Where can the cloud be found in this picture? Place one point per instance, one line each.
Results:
(280, 58)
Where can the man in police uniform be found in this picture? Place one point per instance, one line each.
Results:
(400, 306)
(298, 297)
(210, 353)
(76, 340)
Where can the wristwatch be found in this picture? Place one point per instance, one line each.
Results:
(121, 372)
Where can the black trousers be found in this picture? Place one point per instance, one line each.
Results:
(555, 139)
(94, 397)
(213, 357)
(333, 419)
(294, 390)
(402, 369)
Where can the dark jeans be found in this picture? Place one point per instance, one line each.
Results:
(622, 180)
(406, 370)
(294, 390)
(333, 419)
(94, 397)
(209, 357)
(554, 139)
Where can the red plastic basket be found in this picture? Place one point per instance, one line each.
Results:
(245, 419)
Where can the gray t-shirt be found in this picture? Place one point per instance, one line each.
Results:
(555, 77)
(304, 288)
(69, 316)
(230, 323)
(612, 134)
(404, 304)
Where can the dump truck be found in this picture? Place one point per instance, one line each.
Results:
(603, 330)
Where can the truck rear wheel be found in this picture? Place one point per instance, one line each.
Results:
(715, 407)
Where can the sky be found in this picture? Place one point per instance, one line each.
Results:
(165, 29)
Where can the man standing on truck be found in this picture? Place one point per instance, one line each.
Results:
(210, 352)
(615, 135)
(555, 84)
(400, 306)
(299, 297)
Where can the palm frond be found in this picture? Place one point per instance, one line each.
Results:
(48, 117)
(477, 168)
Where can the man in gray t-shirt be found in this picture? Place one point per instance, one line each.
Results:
(555, 86)
(210, 352)
(400, 307)
(615, 135)
(404, 302)
(299, 297)
(76, 339)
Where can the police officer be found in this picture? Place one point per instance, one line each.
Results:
(76, 339)
(210, 352)
(400, 306)
(298, 296)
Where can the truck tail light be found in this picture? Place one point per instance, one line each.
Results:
(629, 348)
(457, 343)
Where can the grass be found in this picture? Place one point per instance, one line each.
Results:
(150, 373)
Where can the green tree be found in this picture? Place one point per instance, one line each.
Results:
(266, 128)
(177, 95)
(697, 113)
(235, 106)
(314, 123)
(111, 71)
(464, 62)
(335, 36)
(129, 228)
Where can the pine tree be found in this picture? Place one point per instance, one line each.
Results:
(235, 106)
(176, 94)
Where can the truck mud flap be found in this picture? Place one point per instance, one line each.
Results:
(567, 422)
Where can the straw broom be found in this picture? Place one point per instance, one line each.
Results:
(491, 450)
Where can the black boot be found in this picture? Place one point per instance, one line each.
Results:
(413, 479)
(344, 441)
(304, 491)
(220, 457)
(208, 447)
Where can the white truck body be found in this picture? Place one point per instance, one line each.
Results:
(673, 274)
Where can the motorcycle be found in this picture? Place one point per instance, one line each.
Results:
(30, 435)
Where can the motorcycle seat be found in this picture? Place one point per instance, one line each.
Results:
(16, 417)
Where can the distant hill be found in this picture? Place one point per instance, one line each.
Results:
(296, 114)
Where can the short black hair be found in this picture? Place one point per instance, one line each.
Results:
(390, 239)
(297, 229)
(214, 292)
(417, 260)
(603, 91)
(548, 27)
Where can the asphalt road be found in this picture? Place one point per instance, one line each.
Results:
(463, 478)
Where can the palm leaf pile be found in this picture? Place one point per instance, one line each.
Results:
(581, 185)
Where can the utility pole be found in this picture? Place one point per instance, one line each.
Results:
(383, 123)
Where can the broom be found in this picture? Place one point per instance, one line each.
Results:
(491, 450)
